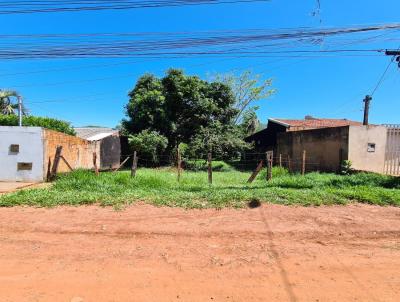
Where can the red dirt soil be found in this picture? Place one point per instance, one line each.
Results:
(144, 253)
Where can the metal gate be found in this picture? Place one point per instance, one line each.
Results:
(392, 153)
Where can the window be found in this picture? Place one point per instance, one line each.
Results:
(371, 147)
(24, 166)
(14, 148)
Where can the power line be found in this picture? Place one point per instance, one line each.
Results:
(29, 7)
(124, 45)
(381, 79)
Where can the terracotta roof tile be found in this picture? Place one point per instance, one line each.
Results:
(316, 123)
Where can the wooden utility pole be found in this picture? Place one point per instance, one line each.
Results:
(178, 163)
(367, 102)
(270, 158)
(134, 164)
(210, 168)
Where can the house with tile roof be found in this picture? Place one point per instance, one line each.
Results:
(327, 143)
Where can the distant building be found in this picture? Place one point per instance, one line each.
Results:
(106, 142)
(328, 142)
(267, 138)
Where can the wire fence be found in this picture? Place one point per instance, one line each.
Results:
(249, 162)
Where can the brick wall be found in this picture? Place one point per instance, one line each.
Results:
(78, 152)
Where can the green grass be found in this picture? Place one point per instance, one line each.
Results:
(229, 189)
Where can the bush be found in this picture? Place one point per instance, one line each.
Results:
(345, 167)
(149, 144)
(202, 165)
(37, 121)
(276, 172)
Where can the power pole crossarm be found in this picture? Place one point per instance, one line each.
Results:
(392, 52)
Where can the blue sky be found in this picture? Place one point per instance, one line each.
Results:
(323, 86)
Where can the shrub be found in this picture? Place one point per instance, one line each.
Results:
(345, 167)
(202, 165)
(149, 144)
(37, 121)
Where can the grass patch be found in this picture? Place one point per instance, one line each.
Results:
(160, 187)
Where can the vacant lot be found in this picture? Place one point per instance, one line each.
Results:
(145, 253)
(160, 187)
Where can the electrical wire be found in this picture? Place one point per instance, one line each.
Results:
(381, 79)
(125, 45)
(29, 7)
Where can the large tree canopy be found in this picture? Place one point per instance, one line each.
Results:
(202, 115)
(178, 106)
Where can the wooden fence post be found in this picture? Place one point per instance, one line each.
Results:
(122, 164)
(134, 164)
(209, 168)
(48, 177)
(56, 162)
(280, 160)
(67, 163)
(96, 169)
(270, 158)
(256, 171)
(289, 164)
(179, 163)
(303, 164)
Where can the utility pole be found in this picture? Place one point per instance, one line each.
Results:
(367, 101)
(19, 110)
(394, 53)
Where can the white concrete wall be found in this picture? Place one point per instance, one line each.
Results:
(30, 143)
(361, 159)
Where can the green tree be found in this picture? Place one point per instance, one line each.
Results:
(248, 89)
(6, 105)
(177, 106)
(225, 141)
(149, 144)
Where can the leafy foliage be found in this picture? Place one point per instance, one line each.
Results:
(248, 88)
(6, 105)
(225, 142)
(177, 106)
(36, 121)
(149, 143)
(202, 165)
(345, 167)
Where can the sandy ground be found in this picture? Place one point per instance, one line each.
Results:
(143, 253)
(11, 186)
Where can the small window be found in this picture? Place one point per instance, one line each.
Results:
(371, 147)
(24, 166)
(14, 148)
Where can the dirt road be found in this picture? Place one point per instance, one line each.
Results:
(143, 253)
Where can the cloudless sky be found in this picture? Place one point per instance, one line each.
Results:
(329, 86)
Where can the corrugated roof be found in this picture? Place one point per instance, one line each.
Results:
(314, 123)
(94, 133)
